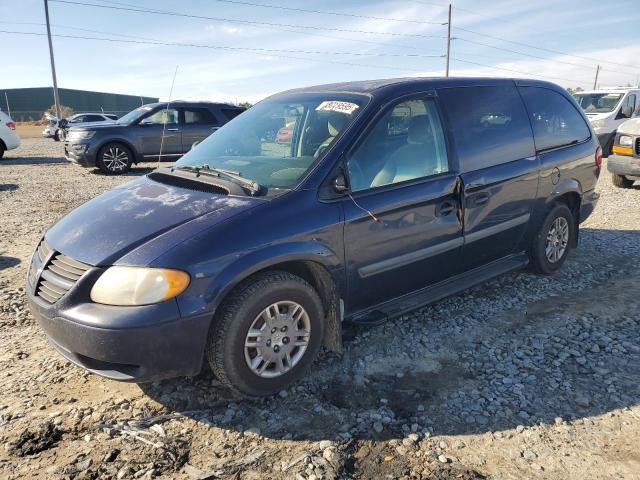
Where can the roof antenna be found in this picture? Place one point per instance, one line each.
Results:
(166, 116)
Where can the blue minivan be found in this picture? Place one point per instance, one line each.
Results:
(350, 202)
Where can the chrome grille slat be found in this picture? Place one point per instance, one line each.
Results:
(638, 146)
(59, 275)
(67, 267)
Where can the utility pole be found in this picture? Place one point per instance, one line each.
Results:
(595, 82)
(56, 98)
(446, 72)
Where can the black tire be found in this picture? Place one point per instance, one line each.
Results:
(56, 136)
(539, 260)
(226, 342)
(109, 166)
(1, 150)
(621, 181)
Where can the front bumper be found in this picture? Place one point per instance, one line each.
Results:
(80, 153)
(131, 344)
(624, 165)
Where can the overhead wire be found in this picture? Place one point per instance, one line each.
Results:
(258, 51)
(247, 22)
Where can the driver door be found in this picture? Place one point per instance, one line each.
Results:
(162, 123)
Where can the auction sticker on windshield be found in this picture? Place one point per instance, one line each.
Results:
(335, 106)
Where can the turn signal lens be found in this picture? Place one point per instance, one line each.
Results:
(129, 286)
(622, 150)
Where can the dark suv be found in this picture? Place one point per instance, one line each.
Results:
(256, 246)
(141, 134)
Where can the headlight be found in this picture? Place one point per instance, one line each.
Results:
(127, 286)
(597, 123)
(625, 140)
(80, 135)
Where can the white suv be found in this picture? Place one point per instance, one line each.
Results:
(607, 109)
(9, 139)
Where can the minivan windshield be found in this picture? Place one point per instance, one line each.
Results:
(598, 102)
(133, 115)
(277, 141)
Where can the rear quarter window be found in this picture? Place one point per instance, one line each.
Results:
(489, 125)
(556, 122)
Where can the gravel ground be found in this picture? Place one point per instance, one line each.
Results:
(523, 377)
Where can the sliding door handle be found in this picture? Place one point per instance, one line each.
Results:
(478, 199)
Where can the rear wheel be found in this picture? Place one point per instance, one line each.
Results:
(621, 181)
(1, 150)
(114, 159)
(551, 244)
(266, 334)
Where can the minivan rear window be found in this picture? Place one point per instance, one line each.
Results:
(556, 122)
(489, 125)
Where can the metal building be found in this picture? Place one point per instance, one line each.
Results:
(27, 104)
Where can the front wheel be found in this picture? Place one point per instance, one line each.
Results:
(266, 334)
(551, 244)
(621, 181)
(114, 159)
(1, 150)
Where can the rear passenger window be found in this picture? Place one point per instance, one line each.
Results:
(489, 125)
(199, 116)
(556, 122)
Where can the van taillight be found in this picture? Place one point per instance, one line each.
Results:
(598, 157)
(11, 125)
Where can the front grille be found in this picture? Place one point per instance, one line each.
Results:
(59, 274)
(638, 146)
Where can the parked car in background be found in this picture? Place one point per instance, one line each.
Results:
(624, 163)
(9, 139)
(250, 253)
(142, 133)
(607, 109)
(55, 128)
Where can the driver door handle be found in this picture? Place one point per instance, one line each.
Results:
(445, 208)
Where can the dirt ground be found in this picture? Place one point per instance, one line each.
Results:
(525, 377)
(29, 131)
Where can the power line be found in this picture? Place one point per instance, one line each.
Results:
(154, 41)
(256, 51)
(247, 22)
(368, 42)
(538, 47)
(579, 65)
(518, 71)
(326, 12)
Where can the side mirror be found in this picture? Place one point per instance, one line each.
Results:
(340, 184)
(195, 144)
(145, 123)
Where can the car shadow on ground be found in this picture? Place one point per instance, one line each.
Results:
(8, 262)
(467, 364)
(32, 160)
(8, 187)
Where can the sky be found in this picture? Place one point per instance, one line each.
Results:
(247, 51)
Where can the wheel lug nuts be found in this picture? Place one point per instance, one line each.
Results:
(268, 343)
(285, 340)
(283, 329)
(276, 348)
(273, 330)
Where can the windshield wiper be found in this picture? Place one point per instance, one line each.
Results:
(253, 186)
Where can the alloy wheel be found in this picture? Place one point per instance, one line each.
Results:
(557, 239)
(277, 339)
(115, 159)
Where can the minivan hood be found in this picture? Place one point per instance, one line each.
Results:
(124, 218)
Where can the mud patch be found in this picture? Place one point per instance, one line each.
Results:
(37, 440)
